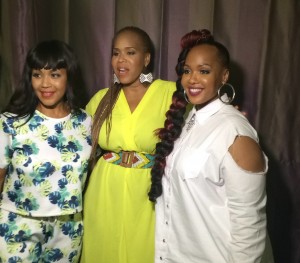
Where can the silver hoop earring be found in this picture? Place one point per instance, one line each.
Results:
(228, 98)
(186, 97)
(146, 77)
(116, 80)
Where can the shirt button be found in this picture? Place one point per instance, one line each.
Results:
(167, 223)
(160, 258)
(164, 240)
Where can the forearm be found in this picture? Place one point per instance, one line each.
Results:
(248, 231)
(2, 178)
(246, 202)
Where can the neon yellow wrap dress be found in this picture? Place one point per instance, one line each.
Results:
(119, 219)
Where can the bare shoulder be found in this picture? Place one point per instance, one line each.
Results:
(247, 154)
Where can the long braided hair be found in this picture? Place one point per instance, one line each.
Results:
(175, 115)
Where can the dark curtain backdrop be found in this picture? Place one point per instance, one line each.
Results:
(262, 36)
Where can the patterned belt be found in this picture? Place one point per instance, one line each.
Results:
(130, 159)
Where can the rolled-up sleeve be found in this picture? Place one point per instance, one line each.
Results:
(246, 202)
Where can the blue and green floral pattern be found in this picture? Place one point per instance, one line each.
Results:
(46, 161)
(24, 239)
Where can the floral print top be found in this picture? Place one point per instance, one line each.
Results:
(46, 163)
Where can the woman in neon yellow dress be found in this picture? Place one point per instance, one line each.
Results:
(118, 216)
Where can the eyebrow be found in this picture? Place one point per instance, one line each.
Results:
(125, 48)
(201, 65)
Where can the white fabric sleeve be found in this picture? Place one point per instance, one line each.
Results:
(246, 202)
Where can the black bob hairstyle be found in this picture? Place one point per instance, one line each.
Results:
(51, 54)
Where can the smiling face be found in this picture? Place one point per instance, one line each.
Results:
(203, 74)
(129, 58)
(50, 87)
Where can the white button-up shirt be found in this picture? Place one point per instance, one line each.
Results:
(211, 210)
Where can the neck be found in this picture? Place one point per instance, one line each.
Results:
(136, 85)
(200, 106)
(58, 111)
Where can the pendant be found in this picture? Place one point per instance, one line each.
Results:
(191, 122)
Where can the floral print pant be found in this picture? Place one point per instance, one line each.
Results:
(40, 239)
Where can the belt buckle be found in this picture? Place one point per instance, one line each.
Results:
(127, 159)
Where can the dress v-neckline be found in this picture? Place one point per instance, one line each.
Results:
(139, 105)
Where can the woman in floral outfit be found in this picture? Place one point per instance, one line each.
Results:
(45, 146)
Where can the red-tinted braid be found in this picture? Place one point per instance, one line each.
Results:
(171, 131)
(192, 38)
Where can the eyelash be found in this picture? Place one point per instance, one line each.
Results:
(55, 75)
(129, 53)
(38, 75)
(202, 71)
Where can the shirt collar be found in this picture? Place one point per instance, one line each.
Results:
(207, 111)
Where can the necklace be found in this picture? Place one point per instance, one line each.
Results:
(191, 122)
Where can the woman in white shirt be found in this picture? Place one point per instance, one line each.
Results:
(209, 174)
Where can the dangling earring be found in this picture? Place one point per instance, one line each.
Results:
(186, 97)
(116, 80)
(229, 99)
(146, 77)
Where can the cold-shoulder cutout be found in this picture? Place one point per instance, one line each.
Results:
(247, 154)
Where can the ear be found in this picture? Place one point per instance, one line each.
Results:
(225, 76)
(147, 59)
